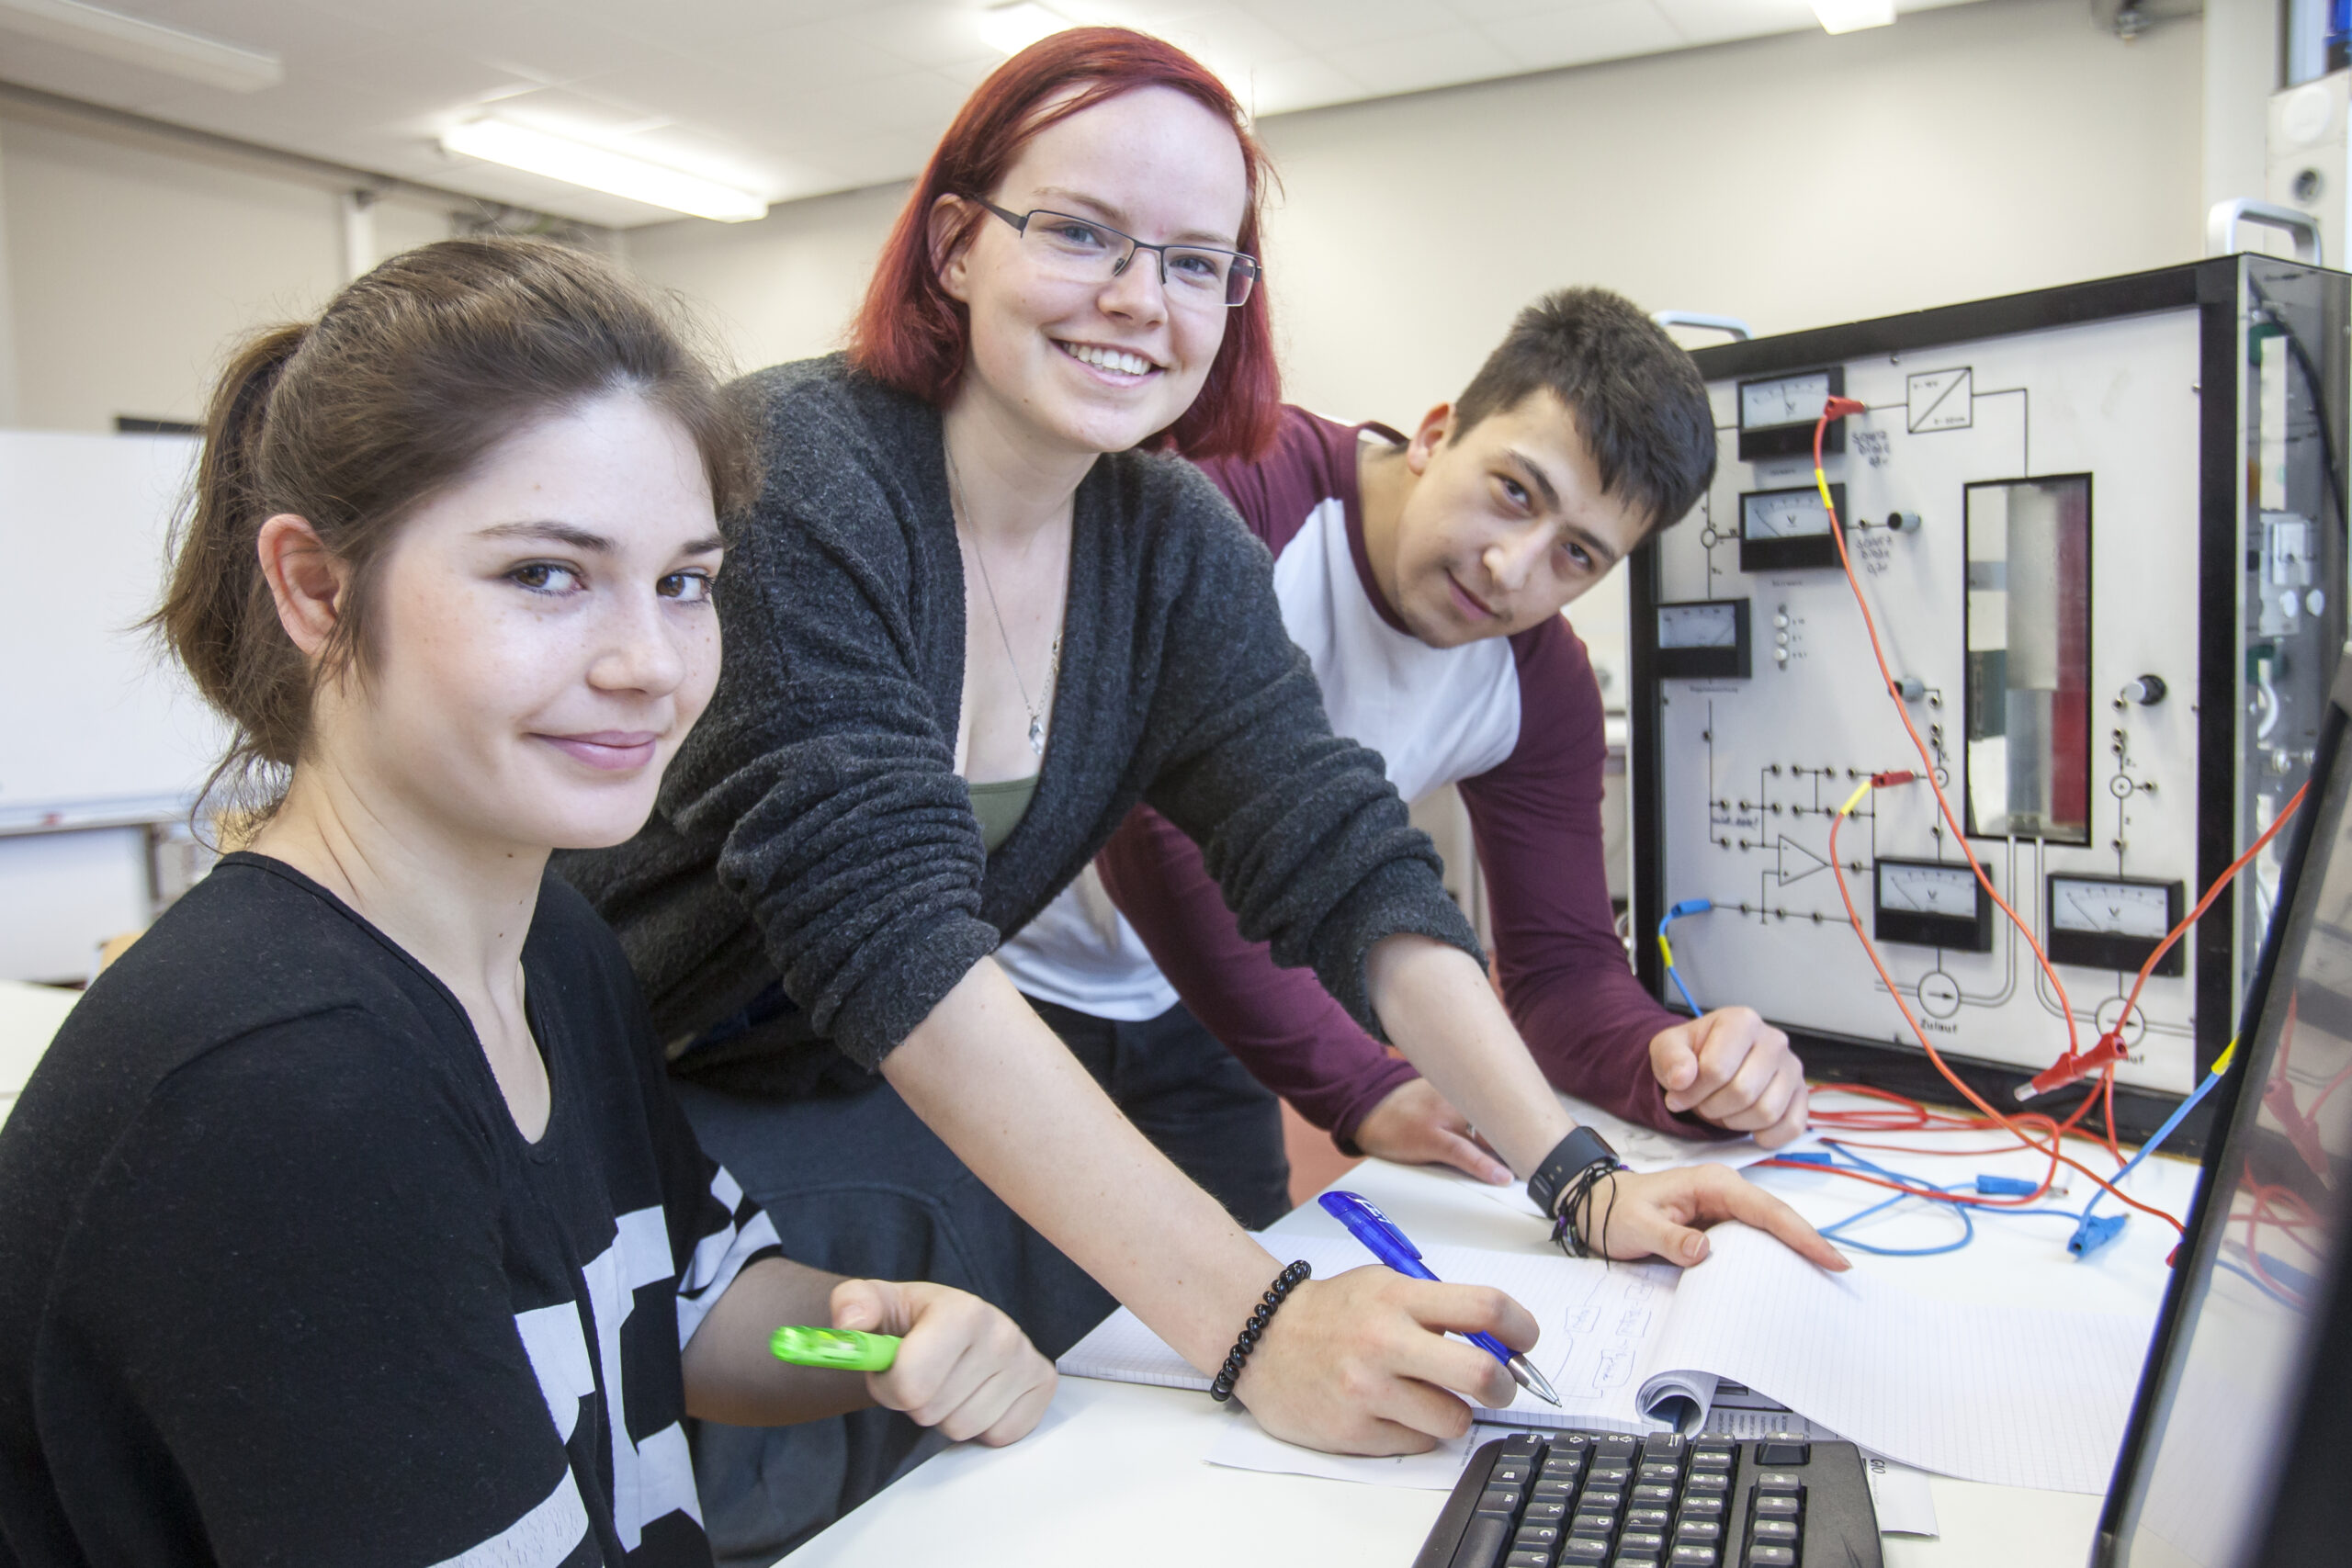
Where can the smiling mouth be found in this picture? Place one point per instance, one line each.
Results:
(1117, 361)
(607, 750)
(1469, 602)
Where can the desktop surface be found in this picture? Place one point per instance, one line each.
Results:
(1117, 1469)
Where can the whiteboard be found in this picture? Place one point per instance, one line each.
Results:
(95, 721)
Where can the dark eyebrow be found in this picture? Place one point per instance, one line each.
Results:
(1598, 548)
(1114, 216)
(579, 538)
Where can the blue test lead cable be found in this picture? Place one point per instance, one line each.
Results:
(2093, 1233)
(1666, 950)
(1385, 1241)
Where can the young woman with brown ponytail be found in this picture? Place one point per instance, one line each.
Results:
(349, 1218)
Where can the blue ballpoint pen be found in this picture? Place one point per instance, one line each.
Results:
(1380, 1233)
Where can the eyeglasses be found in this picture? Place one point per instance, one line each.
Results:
(1084, 250)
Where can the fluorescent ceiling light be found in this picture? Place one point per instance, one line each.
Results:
(139, 42)
(1851, 15)
(1011, 29)
(616, 173)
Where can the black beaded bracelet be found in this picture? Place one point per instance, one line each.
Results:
(1577, 1194)
(1230, 1373)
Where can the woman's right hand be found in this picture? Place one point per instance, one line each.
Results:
(1360, 1364)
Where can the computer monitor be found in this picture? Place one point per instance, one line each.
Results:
(2234, 1456)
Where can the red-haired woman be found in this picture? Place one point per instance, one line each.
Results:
(982, 609)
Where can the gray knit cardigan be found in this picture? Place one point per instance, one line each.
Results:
(813, 828)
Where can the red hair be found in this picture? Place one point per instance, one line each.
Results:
(909, 334)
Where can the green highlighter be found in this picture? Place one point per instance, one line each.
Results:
(843, 1349)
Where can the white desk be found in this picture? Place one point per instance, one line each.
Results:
(1115, 1471)
(30, 1016)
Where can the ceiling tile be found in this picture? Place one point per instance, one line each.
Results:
(1283, 85)
(929, 33)
(1430, 59)
(1713, 21)
(546, 43)
(1609, 29)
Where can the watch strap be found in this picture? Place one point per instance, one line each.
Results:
(1573, 1155)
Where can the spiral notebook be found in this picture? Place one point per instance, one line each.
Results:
(2012, 1395)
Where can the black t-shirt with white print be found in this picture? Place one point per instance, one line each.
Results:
(281, 1282)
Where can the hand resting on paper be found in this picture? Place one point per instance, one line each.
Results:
(1417, 1126)
(1665, 1214)
(1356, 1364)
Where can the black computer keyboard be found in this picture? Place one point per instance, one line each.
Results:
(1604, 1500)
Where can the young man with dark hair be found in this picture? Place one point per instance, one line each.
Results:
(1424, 577)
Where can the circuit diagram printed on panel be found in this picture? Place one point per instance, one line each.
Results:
(2028, 514)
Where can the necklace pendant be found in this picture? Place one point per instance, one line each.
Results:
(1037, 734)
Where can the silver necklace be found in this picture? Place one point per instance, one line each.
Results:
(956, 511)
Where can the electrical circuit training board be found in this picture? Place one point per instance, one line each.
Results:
(2102, 531)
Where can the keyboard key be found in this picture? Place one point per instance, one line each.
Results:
(1546, 1513)
(1654, 1497)
(1600, 1499)
(1642, 1541)
(1570, 1442)
(1702, 1531)
(1647, 1518)
(1654, 1470)
(1512, 1472)
(1528, 1560)
(1536, 1537)
(1602, 1525)
(1771, 1557)
(1582, 1549)
(1607, 1475)
(1784, 1453)
(1711, 1459)
(1776, 1481)
(1551, 1492)
(1777, 1532)
(1482, 1542)
(1702, 1507)
(1664, 1445)
(1632, 1560)
(1522, 1445)
(1620, 1445)
(1776, 1505)
(1688, 1554)
(1502, 1501)
(1705, 1481)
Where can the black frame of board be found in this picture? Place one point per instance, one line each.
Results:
(2212, 288)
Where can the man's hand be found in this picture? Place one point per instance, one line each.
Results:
(1732, 1068)
(963, 1366)
(1415, 1125)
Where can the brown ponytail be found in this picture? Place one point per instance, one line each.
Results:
(410, 378)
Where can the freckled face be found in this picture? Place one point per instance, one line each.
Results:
(1505, 526)
(544, 635)
(1098, 367)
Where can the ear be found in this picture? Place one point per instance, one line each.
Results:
(1437, 425)
(305, 579)
(952, 264)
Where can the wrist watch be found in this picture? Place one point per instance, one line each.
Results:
(1573, 1155)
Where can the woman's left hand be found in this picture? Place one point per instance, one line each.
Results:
(1663, 1214)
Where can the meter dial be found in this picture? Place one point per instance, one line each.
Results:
(1701, 640)
(2114, 922)
(1932, 904)
(1776, 414)
(1783, 528)
(1792, 400)
(1713, 624)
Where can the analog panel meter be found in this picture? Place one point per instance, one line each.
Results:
(1931, 904)
(2114, 922)
(1703, 639)
(1777, 415)
(1780, 529)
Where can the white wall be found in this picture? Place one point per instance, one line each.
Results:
(133, 266)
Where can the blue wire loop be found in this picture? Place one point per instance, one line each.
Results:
(1687, 907)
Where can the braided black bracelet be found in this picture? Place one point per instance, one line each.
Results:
(1579, 1194)
(1230, 1373)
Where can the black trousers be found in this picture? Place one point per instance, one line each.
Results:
(856, 1183)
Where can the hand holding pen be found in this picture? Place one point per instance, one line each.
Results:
(1385, 1242)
